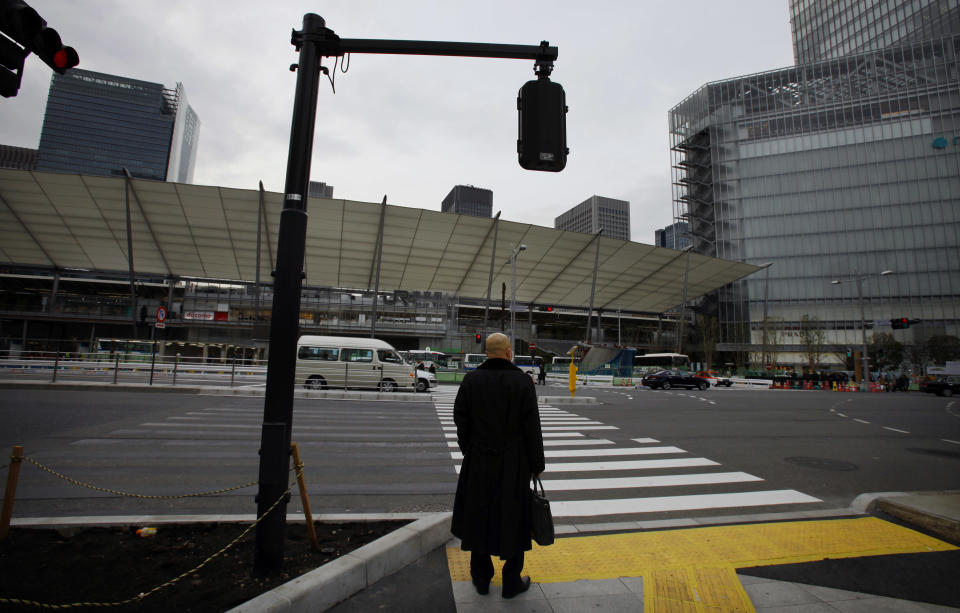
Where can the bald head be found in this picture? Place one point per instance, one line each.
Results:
(498, 346)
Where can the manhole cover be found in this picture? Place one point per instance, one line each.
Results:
(821, 463)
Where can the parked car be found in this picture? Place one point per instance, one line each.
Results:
(715, 378)
(942, 386)
(665, 379)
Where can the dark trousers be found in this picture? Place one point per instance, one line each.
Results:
(481, 568)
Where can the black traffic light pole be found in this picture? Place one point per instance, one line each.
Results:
(313, 42)
(284, 322)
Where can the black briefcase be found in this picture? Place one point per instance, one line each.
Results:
(541, 519)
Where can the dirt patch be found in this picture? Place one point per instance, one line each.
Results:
(107, 565)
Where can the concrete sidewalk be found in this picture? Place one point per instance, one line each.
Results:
(722, 568)
(765, 566)
(710, 587)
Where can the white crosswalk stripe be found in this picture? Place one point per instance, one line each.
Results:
(603, 466)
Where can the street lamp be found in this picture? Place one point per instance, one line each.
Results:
(513, 294)
(864, 376)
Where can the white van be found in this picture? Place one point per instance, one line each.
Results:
(340, 361)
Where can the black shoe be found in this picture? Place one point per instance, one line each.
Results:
(523, 587)
(483, 588)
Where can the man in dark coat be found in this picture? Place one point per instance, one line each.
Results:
(498, 431)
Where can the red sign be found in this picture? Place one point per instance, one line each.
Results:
(533, 346)
(161, 314)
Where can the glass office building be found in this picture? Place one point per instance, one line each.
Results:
(469, 200)
(99, 124)
(830, 29)
(830, 170)
(674, 236)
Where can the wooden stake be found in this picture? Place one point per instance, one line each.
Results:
(13, 474)
(304, 499)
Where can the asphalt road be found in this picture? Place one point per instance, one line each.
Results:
(643, 455)
(832, 445)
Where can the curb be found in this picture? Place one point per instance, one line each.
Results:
(336, 581)
(567, 400)
(932, 511)
(212, 390)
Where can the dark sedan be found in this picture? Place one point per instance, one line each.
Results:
(665, 379)
(942, 386)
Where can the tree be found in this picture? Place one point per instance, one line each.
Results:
(943, 348)
(918, 354)
(885, 352)
(812, 337)
(708, 329)
(771, 336)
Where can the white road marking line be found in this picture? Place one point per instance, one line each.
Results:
(572, 467)
(946, 440)
(596, 453)
(896, 430)
(862, 421)
(563, 442)
(585, 508)
(558, 485)
(544, 428)
(841, 414)
(545, 434)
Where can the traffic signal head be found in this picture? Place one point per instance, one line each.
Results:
(542, 140)
(27, 33)
(479, 337)
(900, 323)
(11, 66)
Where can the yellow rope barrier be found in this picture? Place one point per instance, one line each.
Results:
(131, 495)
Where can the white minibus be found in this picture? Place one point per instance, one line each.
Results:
(340, 361)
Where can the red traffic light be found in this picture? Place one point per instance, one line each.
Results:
(65, 57)
(479, 337)
(23, 24)
(549, 309)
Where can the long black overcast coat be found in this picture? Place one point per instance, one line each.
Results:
(498, 431)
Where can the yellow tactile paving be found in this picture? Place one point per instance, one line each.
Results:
(694, 569)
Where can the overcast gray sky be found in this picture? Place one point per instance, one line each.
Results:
(413, 127)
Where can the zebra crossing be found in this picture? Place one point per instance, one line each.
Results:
(588, 476)
(384, 457)
(361, 457)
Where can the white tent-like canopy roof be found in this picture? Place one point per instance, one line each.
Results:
(79, 221)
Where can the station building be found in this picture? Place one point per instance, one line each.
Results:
(86, 261)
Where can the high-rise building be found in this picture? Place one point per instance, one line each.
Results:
(827, 29)
(319, 189)
(18, 157)
(98, 124)
(597, 212)
(469, 200)
(674, 236)
(831, 170)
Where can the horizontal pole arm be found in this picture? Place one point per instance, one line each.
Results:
(341, 46)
